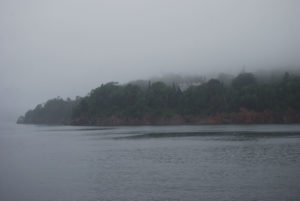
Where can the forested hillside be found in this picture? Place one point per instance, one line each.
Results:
(54, 111)
(243, 100)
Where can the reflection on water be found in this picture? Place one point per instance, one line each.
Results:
(222, 135)
(233, 162)
(68, 129)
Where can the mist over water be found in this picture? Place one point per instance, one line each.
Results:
(66, 48)
(233, 162)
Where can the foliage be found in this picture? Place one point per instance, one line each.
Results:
(54, 111)
(161, 100)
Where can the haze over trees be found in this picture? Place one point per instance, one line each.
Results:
(151, 101)
(54, 111)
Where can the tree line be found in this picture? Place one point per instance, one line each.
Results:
(54, 111)
(158, 99)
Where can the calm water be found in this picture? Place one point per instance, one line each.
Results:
(63, 163)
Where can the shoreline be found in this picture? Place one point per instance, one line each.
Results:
(244, 116)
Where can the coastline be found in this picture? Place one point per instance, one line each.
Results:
(242, 117)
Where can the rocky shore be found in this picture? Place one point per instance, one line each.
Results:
(244, 116)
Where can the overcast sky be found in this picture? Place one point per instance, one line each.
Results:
(51, 48)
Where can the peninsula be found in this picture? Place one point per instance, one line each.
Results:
(242, 99)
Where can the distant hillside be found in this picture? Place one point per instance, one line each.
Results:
(228, 99)
(54, 111)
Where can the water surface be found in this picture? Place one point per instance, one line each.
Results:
(232, 162)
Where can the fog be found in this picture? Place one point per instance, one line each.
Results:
(67, 47)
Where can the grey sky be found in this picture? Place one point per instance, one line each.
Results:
(67, 47)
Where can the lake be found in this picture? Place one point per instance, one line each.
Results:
(128, 163)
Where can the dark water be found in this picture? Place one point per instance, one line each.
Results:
(61, 163)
